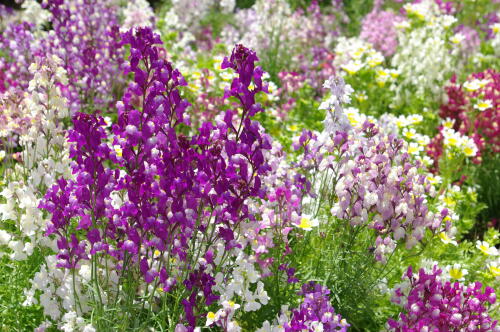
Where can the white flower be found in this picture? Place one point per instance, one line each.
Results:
(415, 148)
(486, 248)
(446, 239)
(210, 318)
(88, 328)
(370, 199)
(483, 105)
(457, 38)
(4, 237)
(307, 223)
(494, 268)
(456, 272)
(352, 67)
(475, 84)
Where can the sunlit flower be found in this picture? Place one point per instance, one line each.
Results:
(307, 223)
(494, 268)
(352, 67)
(475, 85)
(210, 318)
(446, 239)
(457, 38)
(486, 248)
(483, 105)
(456, 272)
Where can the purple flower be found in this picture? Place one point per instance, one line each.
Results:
(431, 303)
(175, 186)
(315, 312)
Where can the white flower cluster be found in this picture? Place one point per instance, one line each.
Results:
(267, 22)
(354, 54)
(242, 279)
(423, 58)
(44, 157)
(56, 290)
(32, 12)
(138, 13)
(454, 141)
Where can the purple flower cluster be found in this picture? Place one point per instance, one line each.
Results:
(5, 11)
(376, 184)
(379, 185)
(315, 312)
(85, 36)
(171, 187)
(18, 43)
(431, 304)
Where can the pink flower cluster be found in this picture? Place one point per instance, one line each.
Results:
(379, 30)
(432, 304)
(377, 184)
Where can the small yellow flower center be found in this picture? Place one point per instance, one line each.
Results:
(305, 223)
(495, 271)
(484, 249)
(456, 273)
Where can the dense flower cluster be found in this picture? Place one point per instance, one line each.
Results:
(379, 29)
(225, 165)
(188, 188)
(18, 42)
(471, 117)
(375, 180)
(315, 312)
(91, 54)
(431, 304)
(44, 155)
(425, 32)
(378, 184)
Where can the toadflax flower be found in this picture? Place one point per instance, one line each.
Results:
(156, 227)
(336, 119)
(429, 303)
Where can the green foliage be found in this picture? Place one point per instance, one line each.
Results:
(343, 262)
(304, 115)
(14, 278)
(488, 179)
(356, 10)
(244, 3)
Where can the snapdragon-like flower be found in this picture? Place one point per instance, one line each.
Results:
(138, 13)
(379, 185)
(424, 33)
(335, 119)
(176, 190)
(44, 155)
(376, 182)
(429, 303)
(315, 312)
(85, 36)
